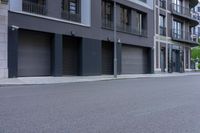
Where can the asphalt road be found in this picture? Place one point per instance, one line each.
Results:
(152, 105)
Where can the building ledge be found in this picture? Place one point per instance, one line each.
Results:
(191, 43)
(193, 21)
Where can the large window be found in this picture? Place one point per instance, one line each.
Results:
(162, 25)
(177, 29)
(107, 13)
(125, 16)
(177, 5)
(35, 6)
(139, 23)
(72, 6)
(71, 10)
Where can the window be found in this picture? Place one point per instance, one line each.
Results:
(71, 10)
(107, 13)
(198, 31)
(162, 25)
(163, 4)
(177, 29)
(125, 18)
(198, 9)
(139, 22)
(177, 5)
(35, 6)
(71, 6)
(162, 21)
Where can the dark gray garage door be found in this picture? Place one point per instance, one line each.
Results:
(34, 56)
(134, 60)
(107, 58)
(70, 55)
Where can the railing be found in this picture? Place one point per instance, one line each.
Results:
(184, 11)
(162, 31)
(107, 24)
(123, 28)
(70, 16)
(3, 1)
(185, 35)
(163, 4)
(34, 7)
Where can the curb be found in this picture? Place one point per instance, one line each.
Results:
(23, 81)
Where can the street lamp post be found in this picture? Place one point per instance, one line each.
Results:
(115, 39)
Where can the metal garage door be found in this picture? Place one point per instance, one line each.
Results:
(134, 60)
(107, 58)
(70, 55)
(34, 57)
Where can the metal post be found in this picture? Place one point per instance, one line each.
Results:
(115, 40)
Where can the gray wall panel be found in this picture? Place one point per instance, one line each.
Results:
(90, 57)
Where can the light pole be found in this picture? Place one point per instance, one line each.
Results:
(115, 39)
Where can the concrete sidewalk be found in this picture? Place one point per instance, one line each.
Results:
(74, 79)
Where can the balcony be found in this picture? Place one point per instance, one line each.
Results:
(185, 13)
(107, 24)
(33, 7)
(185, 36)
(162, 31)
(3, 1)
(162, 4)
(71, 16)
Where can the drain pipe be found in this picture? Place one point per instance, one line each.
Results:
(115, 39)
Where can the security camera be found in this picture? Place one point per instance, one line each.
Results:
(14, 27)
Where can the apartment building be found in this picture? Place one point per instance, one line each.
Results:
(197, 28)
(173, 40)
(75, 37)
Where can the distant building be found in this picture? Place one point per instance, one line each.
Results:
(197, 28)
(174, 34)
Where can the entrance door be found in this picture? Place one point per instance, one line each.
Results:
(162, 59)
(107, 58)
(176, 60)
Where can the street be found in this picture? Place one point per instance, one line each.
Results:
(146, 105)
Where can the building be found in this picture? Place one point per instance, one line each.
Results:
(197, 28)
(174, 20)
(75, 37)
(3, 38)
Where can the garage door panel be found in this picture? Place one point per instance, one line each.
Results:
(134, 60)
(34, 54)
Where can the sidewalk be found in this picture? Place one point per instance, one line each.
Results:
(75, 79)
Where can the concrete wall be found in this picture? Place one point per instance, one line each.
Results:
(3, 40)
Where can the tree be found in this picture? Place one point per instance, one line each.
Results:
(196, 53)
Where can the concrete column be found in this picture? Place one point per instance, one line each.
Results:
(90, 57)
(3, 40)
(15, 5)
(166, 55)
(119, 58)
(150, 60)
(86, 12)
(13, 41)
(185, 58)
(159, 56)
(189, 58)
(57, 55)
